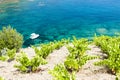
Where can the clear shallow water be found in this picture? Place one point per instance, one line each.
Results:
(56, 19)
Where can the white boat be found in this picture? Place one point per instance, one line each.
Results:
(34, 36)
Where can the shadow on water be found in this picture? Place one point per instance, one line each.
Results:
(28, 42)
(41, 39)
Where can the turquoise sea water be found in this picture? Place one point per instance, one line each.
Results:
(56, 19)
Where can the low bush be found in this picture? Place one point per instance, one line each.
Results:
(75, 60)
(29, 65)
(111, 46)
(60, 73)
(3, 58)
(7, 54)
(11, 54)
(2, 78)
(46, 49)
(10, 38)
(77, 57)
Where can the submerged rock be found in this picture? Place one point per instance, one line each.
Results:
(102, 30)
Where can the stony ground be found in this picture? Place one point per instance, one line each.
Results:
(92, 72)
(88, 72)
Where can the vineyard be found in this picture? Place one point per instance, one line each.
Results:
(77, 59)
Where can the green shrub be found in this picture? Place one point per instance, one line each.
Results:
(10, 38)
(11, 54)
(7, 54)
(29, 65)
(60, 73)
(111, 46)
(75, 60)
(77, 57)
(1, 78)
(46, 49)
(102, 41)
(3, 58)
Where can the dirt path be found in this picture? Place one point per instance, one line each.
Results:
(91, 72)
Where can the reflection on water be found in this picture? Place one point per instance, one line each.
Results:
(56, 19)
